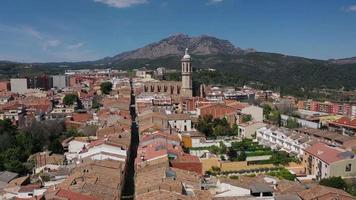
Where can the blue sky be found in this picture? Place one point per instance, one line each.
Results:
(74, 30)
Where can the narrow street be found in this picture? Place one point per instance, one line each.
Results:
(128, 190)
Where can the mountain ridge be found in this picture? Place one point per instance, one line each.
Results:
(176, 44)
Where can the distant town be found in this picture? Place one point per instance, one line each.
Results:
(103, 134)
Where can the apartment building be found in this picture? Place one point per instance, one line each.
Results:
(326, 107)
(283, 139)
(325, 161)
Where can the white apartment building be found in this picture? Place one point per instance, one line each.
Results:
(281, 139)
(102, 150)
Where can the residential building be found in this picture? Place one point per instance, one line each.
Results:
(254, 111)
(99, 179)
(60, 81)
(103, 149)
(19, 85)
(248, 129)
(325, 161)
(5, 86)
(181, 122)
(344, 125)
(325, 107)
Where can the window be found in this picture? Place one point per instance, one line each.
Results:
(348, 167)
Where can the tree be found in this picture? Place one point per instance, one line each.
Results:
(106, 87)
(266, 110)
(223, 148)
(242, 156)
(205, 125)
(232, 154)
(220, 130)
(56, 147)
(282, 174)
(275, 117)
(292, 122)
(246, 118)
(96, 102)
(335, 182)
(234, 130)
(214, 149)
(70, 99)
(280, 158)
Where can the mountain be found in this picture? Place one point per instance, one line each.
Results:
(235, 66)
(344, 61)
(175, 46)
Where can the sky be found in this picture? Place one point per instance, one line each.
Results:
(81, 30)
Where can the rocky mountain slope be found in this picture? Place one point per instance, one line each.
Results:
(176, 44)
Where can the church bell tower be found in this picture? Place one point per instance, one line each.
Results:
(187, 88)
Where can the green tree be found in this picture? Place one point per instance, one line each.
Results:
(205, 125)
(232, 154)
(282, 174)
(275, 117)
(242, 156)
(55, 146)
(96, 102)
(214, 149)
(234, 130)
(223, 148)
(335, 182)
(281, 158)
(292, 122)
(70, 99)
(266, 110)
(106, 87)
(246, 118)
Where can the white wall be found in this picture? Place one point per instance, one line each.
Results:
(302, 122)
(181, 125)
(255, 112)
(76, 146)
(18, 85)
(96, 153)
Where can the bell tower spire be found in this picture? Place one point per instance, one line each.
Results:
(187, 89)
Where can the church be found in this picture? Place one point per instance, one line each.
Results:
(175, 89)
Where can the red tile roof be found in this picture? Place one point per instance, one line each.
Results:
(70, 195)
(344, 121)
(324, 152)
(217, 110)
(81, 117)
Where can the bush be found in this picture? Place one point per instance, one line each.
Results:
(106, 87)
(335, 182)
(234, 177)
(282, 174)
(70, 99)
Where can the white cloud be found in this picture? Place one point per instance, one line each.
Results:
(121, 3)
(32, 32)
(75, 45)
(215, 1)
(49, 46)
(351, 8)
(51, 43)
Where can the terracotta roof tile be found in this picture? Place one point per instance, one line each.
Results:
(324, 152)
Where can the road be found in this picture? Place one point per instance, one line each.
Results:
(128, 191)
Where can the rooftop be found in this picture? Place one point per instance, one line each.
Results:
(325, 152)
